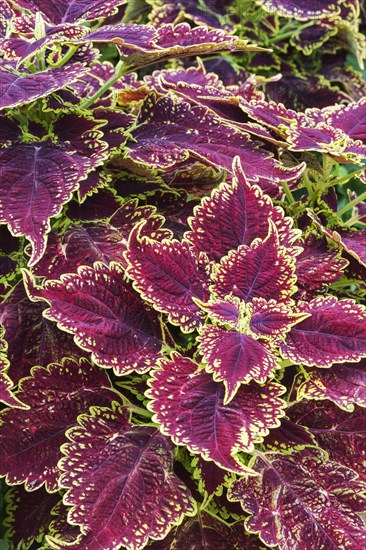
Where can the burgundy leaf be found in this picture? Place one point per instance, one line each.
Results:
(351, 119)
(226, 311)
(189, 406)
(28, 514)
(209, 474)
(30, 439)
(234, 358)
(169, 132)
(6, 384)
(133, 494)
(236, 214)
(19, 89)
(105, 316)
(301, 501)
(271, 320)
(341, 433)
(334, 332)
(262, 270)
(68, 11)
(344, 384)
(35, 189)
(169, 276)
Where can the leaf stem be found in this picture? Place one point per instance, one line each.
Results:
(349, 176)
(288, 193)
(351, 204)
(67, 56)
(117, 75)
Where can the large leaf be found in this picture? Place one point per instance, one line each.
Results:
(30, 439)
(236, 214)
(6, 384)
(19, 89)
(335, 331)
(105, 315)
(169, 132)
(235, 358)
(341, 433)
(344, 384)
(133, 494)
(301, 9)
(301, 501)
(262, 270)
(189, 405)
(28, 515)
(169, 276)
(68, 11)
(34, 190)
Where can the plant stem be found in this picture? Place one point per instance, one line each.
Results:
(288, 193)
(308, 186)
(118, 73)
(67, 56)
(346, 179)
(351, 204)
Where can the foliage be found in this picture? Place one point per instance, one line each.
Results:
(182, 252)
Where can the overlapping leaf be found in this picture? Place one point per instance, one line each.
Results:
(334, 332)
(6, 384)
(189, 405)
(69, 11)
(301, 9)
(344, 384)
(105, 315)
(19, 89)
(301, 501)
(56, 396)
(169, 132)
(262, 270)
(235, 215)
(133, 495)
(169, 276)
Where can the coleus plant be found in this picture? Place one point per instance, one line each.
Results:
(183, 335)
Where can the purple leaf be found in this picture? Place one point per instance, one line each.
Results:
(303, 501)
(133, 494)
(189, 406)
(28, 514)
(271, 320)
(68, 11)
(301, 9)
(6, 384)
(168, 133)
(340, 433)
(235, 215)
(105, 315)
(19, 89)
(226, 311)
(56, 396)
(262, 270)
(235, 358)
(35, 189)
(210, 476)
(334, 332)
(344, 384)
(169, 276)
(6, 16)
(351, 119)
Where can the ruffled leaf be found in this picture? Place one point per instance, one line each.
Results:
(133, 495)
(105, 315)
(302, 501)
(6, 384)
(301, 9)
(56, 396)
(263, 270)
(69, 11)
(235, 215)
(169, 276)
(234, 358)
(189, 405)
(19, 89)
(334, 332)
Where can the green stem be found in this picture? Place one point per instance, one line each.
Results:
(117, 75)
(349, 176)
(67, 56)
(140, 411)
(308, 186)
(351, 204)
(288, 193)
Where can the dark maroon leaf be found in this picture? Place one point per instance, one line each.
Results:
(263, 270)
(189, 406)
(133, 494)
(19, 89)
(169, 276)
(56, 396)
(209, 474)
(35, 189)
(344, 384)
(105, 315)
(28, 514)
(302, 501)
(68, 11)
(334, 332)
